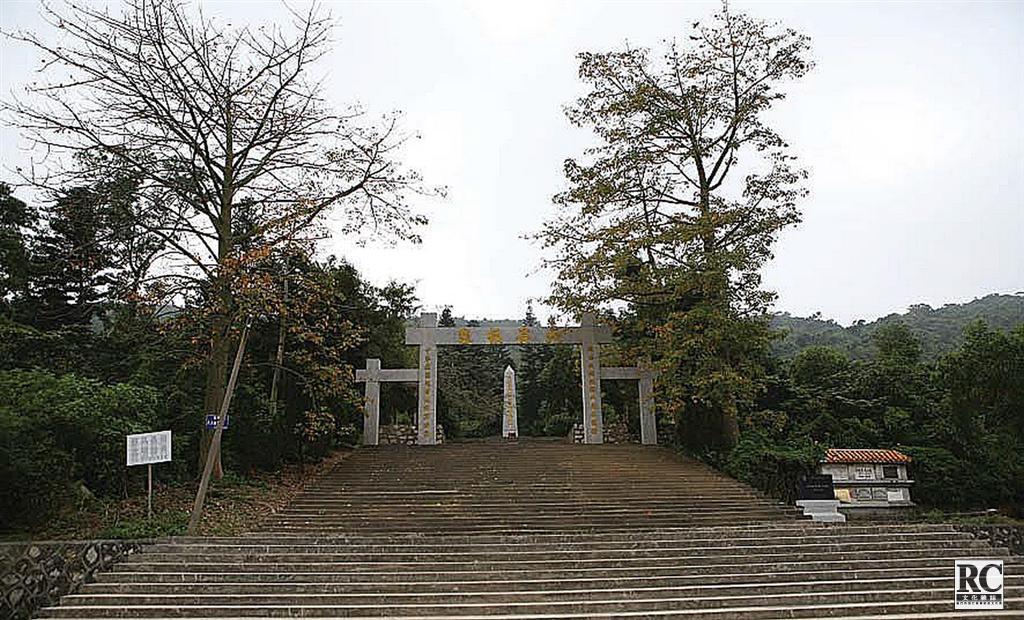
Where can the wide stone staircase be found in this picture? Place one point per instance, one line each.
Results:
(542, 530)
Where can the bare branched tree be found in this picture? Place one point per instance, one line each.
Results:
(228, 135)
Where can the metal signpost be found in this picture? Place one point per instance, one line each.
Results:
(146, 449)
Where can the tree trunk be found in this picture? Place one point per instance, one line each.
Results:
(730, 429)
(216, 382)
(220, 353)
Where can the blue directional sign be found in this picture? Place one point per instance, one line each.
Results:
(211, 422)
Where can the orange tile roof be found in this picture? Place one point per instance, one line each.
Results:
(861, 455)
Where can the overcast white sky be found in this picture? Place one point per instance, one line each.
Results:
(912, 125)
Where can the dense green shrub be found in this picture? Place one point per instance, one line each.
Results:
(992, 478)
(63, 437)
(938, 473)
(33, 471)
(771, 466)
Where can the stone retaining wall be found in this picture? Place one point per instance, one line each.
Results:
(403, 434)
(37, 574)
(1009, 536)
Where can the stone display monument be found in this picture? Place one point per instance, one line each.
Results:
(510, 415)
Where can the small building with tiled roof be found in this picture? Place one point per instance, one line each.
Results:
(868, 481)
(864, 455)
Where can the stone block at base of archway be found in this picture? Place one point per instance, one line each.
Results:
(616, 432)
(404, 434)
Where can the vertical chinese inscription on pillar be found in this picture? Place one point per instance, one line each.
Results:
(592, 395)
(427, 426)
(648, 427)
(590, 365)
(425, 335)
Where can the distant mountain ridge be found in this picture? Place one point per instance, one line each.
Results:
(940, 329)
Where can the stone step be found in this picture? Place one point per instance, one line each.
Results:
(762, 532)
(481, 589)
(410, 526)
(626, 489)
(576, 508)
(195, 595)
(732, 517)
(505, 496)
(421, 593)
(589, 546)
(455, 516)
(528, 502)
(480, 580)
(402, 529)
(554, 519)
(561, 567)
(403, 487)
(535, 504)
(975, 615)
(908, 611)
(328, 528)
(319, 555)
(643, 567)
(529, 506)
(574, 476)
(512, 536)
(919, 600)
(620, 533)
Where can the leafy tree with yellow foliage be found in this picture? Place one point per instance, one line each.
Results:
(669, 219)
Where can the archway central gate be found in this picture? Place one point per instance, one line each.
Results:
(589, 335)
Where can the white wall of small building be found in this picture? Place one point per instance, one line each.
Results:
(848, 471)
(862, 472)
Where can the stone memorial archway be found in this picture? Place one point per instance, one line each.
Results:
(589, 335)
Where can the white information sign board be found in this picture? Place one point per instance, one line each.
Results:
(148, 448)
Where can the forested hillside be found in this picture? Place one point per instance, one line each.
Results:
(940, 330)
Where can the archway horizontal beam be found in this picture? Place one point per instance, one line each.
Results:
(619, 373)
(508, 335)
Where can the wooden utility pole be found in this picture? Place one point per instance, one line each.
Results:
(279, 356)
(214, 451)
